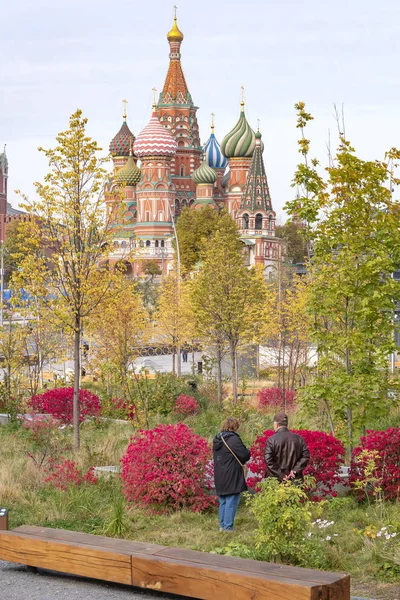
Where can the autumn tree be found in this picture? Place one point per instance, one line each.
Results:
(223, 292)
(118, 329)
(69, 219)
(353, 226)
(174, 315)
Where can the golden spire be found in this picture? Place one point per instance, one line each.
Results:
(124, 102)
(242, 102)
(212, 122)
(175, 35)
(258, 125)
(154, 99)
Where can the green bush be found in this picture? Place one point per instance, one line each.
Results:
(284, 516)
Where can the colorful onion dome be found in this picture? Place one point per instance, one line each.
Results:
(154, 140)
(225, 179)
(120, 144)
(212, 149)
(175, 35)
(130, 174)
(240, 142)
(204, 174)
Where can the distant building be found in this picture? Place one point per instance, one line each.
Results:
(8, 214)
(177, 172)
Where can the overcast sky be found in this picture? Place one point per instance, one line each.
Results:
(57, 55)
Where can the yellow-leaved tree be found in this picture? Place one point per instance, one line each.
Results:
(70, 234)
(118, 329)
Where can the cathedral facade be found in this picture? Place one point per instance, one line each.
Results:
(177, 172)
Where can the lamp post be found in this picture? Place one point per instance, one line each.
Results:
(178, 261)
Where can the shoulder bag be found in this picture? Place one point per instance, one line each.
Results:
(244, 467)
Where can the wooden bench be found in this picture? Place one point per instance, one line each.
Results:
(166, 569)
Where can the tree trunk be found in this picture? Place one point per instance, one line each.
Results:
(173, 360)
(193, 365)
(234, 372)
(219, 377)
(77, 376)
(178, 361)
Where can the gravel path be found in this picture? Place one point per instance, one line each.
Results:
(17, 583)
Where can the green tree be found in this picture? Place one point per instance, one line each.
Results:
(224, 292)
(295, 248)
(194, 229)
(70, 221)
(352, 224)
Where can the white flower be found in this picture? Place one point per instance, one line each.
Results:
(309, 535)
(318, 521)
(336, 535)
(383, 528)
(387, 536)
(394, 534)
(328, 538)
(379, 534)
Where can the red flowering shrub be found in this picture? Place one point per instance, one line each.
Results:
(66, 474)
(385, 446)
(59, 403)
(186, 405)
(168, 467)
(274, 398)
(326, 457)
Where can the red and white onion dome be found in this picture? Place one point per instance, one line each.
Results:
(154, 140)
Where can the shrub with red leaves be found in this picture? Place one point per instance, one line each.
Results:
(59, 403)
(168, 467)
(387, 444)
(186, 406)
(118, 408)
(326, 457)
(274, 398)
(66, 474)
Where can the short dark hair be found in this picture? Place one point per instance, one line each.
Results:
(230, 424)
(281, 419)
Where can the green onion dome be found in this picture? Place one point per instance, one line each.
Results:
(204, 174)
(240, 142)
(130, 174)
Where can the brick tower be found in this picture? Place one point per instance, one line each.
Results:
(177, 112)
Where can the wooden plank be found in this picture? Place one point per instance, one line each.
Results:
(253, 566)
(207, 582)
(88, 538)
(66, 557)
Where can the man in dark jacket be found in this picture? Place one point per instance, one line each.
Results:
(286, 453)
(230, 455)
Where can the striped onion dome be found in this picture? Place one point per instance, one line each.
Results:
(215, 158)
(130, 174)
(204, 174)
(120, 144)
(154, 140)
(240, 142)
(225, 179)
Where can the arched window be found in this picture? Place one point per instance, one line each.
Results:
(156, 243)
(123, 244)
(141, 243)
(116, 245)
(245, 221)
(177, 208)
(270, 220)
(162, 243)
(259, 220)
(184, 203)
(182, 171)
(148, 243)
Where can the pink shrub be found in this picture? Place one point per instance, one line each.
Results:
(66, 474)
(274, 398)
(167, 467)
(58, 402)
(186, 405)
(326, 457)
(387, 444)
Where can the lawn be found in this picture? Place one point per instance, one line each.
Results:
(345, 538)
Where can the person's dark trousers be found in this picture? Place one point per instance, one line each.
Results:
(227, 510)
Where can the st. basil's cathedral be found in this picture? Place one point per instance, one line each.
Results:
(176, 171)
